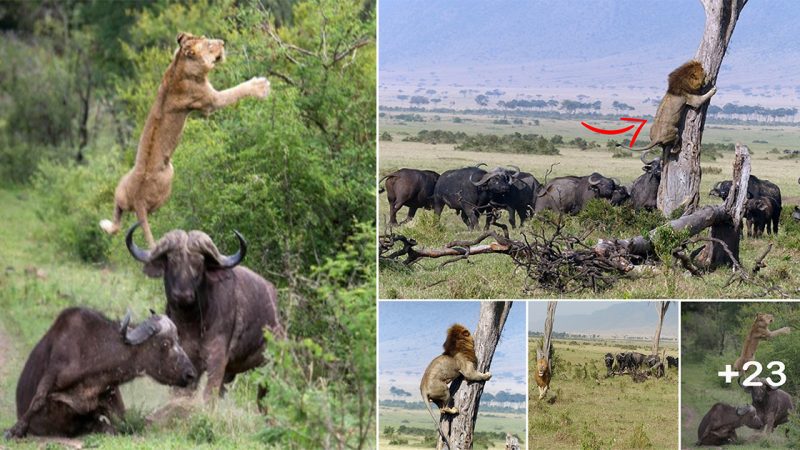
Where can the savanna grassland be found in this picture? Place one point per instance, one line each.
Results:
(413, 428)
(712, 336)
(585, 409)
(494, 276)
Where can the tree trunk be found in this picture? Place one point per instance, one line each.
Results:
(548, 332)
(725, 221)
(460, 428)
(680, 175)
(661, 309)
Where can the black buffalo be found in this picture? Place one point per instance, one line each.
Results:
(633, 361)
(620, 358)
(620, 196)
(520, 198)
(409, 187)
(220, 308)
(609, 361)
(759, 212)
(471, 191)
(718, 426)
(772, 404)
(672, 361)
(644, 190)
(756, 187)
(70, 382)
(570, 194)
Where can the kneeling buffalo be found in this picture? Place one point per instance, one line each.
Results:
(220, 308)
(409, 187)
(719, 425)
(70, 383)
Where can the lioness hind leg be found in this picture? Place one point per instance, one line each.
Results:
(141, 214)
(112, 227)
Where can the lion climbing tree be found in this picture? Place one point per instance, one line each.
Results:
(460, 428)
(544, 351)
(680, 175)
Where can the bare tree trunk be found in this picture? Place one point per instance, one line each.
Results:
(680, 176)
(661, 309)
(460, 428)
(548, 332)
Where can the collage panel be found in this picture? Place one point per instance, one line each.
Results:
(465, 361)
(739, 366)
(603, 374)
(572, 162)
(187, 200)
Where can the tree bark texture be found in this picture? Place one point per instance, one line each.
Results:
(460, 428)
(680, 175)
(548, 332)
(661, 309)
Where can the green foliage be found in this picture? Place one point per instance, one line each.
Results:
(665, 239)
(133, 423)
(437, 137)
(201, 430)
(509, 143)
(620, 220)
(321, 382)
(74, 200)
(639, 438)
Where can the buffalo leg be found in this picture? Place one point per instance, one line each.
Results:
(216, 361)
(393, 208)
(411, 212)
(511, 219)
(20, 429)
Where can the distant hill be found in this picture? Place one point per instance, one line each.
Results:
(619, 43)
(626, 318)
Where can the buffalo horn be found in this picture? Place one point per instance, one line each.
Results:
(226, 262)
(514, 175)
(616, 181)
(143, 332)
(591, 179)
(136, 252)
(486, 177)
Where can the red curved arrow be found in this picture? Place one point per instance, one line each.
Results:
(621, 130)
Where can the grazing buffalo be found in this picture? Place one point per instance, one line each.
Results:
(620, 196)
(520, 198)
(644, 190)
(772, 404)
(609, 360)
(672, 361)
(219, 307)
(755, 188)
(409, 187)
(634, 360)
(656, 366)
(471, 191)
(719, 425)
(570, 194)
(70, 383)
(759, 212)
(620, 358)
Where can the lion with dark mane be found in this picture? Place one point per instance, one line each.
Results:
(458, 359)
(184, 88)
(683, 89)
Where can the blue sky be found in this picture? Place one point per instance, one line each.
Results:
(411, 334)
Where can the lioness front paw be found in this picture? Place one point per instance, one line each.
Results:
(713, 90)
(260, 87)
(487, 376)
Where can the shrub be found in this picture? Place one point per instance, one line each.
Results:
(201, 430)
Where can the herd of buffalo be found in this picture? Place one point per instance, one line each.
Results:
(633, 362)
(216, 314)
(472, 191)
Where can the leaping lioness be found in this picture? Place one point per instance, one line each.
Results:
(184, 88)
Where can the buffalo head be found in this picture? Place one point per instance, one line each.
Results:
(184, 260)
(620, 196)
(603, 186)
(159, 352)
(496, 181)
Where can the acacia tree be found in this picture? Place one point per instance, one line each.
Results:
(680, 176)
(460, 428)
(661, 309)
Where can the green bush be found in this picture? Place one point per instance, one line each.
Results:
(201, 430)
(74, 200)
